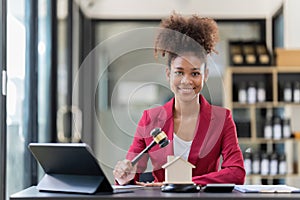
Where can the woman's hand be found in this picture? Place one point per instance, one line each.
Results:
(124, 171)
(152, 184)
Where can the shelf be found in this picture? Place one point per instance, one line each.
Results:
(264, 104)
(245, 140)
(256, 105)
(256, 69)
(288, 69)
(281, 104)
(250, 118)
(253, 70)
(279, 176)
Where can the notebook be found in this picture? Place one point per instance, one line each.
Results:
(70, 167)
(266, 189)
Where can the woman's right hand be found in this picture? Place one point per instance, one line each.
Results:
(124, 171)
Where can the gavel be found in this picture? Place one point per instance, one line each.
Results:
(159, 137)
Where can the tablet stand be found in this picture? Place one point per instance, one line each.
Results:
(74, 184)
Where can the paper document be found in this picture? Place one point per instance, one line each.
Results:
(266, 189)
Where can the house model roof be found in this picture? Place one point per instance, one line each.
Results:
(177, 158)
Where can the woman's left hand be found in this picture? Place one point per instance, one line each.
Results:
(152, 184)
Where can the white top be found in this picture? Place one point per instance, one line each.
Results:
(181, 148)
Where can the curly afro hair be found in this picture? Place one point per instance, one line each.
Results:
(180, 34)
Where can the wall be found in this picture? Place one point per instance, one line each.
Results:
(291, 24)
(292, 39)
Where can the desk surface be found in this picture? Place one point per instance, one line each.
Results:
(148, 193)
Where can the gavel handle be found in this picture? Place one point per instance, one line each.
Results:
(139, 156)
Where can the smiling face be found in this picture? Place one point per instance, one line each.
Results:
(186, 76)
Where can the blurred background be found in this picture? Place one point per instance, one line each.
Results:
(84, 71)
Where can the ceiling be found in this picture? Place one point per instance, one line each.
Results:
(156, 9)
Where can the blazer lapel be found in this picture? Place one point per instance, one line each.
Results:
(165, 121)
(203, 124)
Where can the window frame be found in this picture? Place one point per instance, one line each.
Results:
(3, 11)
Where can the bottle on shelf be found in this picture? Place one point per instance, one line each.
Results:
(256, 163)
(296, 92)
(251, 92)
(248, 162)
(287, 92)
(282, 166)
(264, 164)
(286, 129)
(273, 164)
(268, 132)
(261, 91)
(277, 133)
(242, 92)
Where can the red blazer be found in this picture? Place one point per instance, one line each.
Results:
(215, 136)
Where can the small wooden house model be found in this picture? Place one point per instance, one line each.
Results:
(178, 171)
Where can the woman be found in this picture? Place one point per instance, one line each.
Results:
(199, 132)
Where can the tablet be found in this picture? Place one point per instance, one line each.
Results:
(69, 167)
